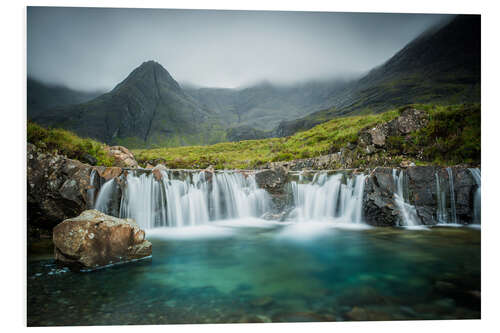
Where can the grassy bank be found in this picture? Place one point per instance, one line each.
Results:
(64, 142)
(453, 136)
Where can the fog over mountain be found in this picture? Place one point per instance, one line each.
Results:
(94, 48)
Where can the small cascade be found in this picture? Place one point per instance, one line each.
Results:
(408, 212)
(452, 196)
(186, 200)
(91, 191)
(442, 212)
(476, 174)
(327, 197)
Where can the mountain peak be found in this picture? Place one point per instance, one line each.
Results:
(150, 72)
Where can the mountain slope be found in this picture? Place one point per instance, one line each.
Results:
(440, 66)
(263, 106)
(148, 107)
(42, 97)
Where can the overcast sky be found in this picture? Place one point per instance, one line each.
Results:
(96, 48)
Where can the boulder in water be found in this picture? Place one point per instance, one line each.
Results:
(94, 239)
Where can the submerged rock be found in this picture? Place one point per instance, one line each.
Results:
(94, 239)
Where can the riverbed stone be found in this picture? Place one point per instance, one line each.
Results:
(94, 239)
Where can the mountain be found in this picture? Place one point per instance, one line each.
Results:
(442, 66)
(263, 106)
(42, 97)
(147, 108)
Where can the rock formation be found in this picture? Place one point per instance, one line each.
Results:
(122, 157)
(94, 239)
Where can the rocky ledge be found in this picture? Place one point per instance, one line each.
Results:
(94, 239)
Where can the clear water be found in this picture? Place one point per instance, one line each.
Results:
(256, 271)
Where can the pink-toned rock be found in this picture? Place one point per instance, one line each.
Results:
(109, 173)
(122, 156)
(94, 239)
(157, 171)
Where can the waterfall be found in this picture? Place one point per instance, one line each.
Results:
(408, 212)
(91, 190)
(476, 174)
(442, 213)
(326, 197)
(185, 200)
(452, 196)
(104, 197)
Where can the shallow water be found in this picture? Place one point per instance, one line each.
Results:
(257, 271)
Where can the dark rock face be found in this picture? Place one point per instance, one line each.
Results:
(272, 180)
(57, 188)
(94, 239)
(380, 209)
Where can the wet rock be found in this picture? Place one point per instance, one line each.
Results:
(272, 180)
(157, 171)
(122, 157)
(57, 188)
(94, 239)
(109, 172)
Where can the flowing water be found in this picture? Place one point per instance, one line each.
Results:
(344, 204)
(216, 261)
(476, 174)
(407, 211)
(256, 271)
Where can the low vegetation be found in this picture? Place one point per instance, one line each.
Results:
(453, 136)
(56, 140)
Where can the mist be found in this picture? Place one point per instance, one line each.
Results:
(96, 48)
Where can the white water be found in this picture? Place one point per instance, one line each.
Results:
(476, 174)
(103, 200)
(442, 212)
(91, 190)
(326, 198)
(408, 212)
(177, 202)
(452, 196)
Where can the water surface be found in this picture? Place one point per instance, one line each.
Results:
(255, 271)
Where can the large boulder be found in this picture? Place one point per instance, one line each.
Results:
(57, 187)
(94, 239)
(122, 157)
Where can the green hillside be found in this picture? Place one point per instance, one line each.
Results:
(453, 136)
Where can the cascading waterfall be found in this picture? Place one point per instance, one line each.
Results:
(476, 174)
(452, 196)
(188, 201)
(442, 213)
(104, 197)
(326, 197)
(92, 189)
(408, 212)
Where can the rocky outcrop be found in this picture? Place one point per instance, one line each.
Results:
(369, 151)
(57, 187)
(408, 122)
(380, 209)
(122, 157)
(94, 239)
(274, 181)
